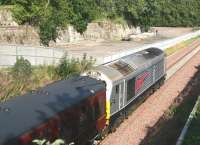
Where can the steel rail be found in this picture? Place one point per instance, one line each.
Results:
(175, 68)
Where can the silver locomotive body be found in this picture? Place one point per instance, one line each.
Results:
(129, 77)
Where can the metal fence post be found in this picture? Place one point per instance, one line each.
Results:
(16, 49)
(53, 56)
(35, 55)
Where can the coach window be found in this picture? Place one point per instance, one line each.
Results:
(97, 111)
(91, 113)
(66, 130)
(99, 108)
(83, 115)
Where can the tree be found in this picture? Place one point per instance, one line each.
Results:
(6, 2)
(84, 11)
(52, 16)
(146, 14)
(55, 18)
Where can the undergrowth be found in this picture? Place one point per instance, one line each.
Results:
(193, 136)
(23, 77)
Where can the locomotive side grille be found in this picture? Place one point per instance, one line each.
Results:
(122, 67)
(159, 70)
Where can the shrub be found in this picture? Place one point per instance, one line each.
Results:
(22, 77)
(85, 63)
(67, 68)
(45, 142)
(22, 70)
(70, 67)
(42, 75)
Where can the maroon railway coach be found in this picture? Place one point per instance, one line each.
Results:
(72, 110)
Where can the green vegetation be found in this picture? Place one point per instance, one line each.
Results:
(181, 45)
(193, 134)
(50, 16)
(22, 70)
(45, 142)
(177, 13)
(72, 67)
(23, 77)
(6, 2)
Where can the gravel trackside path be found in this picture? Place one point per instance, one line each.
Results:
(133, 130)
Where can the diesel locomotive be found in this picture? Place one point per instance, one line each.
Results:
(82, 109)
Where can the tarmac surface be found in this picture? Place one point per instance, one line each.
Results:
(102, 49)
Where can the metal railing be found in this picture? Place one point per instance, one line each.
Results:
(188, 123)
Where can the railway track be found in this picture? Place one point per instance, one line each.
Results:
(172, 69)
(189, 48)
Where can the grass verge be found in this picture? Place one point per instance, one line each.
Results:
(180, 46)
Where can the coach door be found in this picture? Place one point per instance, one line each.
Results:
(121, 95)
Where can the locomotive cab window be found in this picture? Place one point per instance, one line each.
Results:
(117, 89)
(130, 89)
(115, 94)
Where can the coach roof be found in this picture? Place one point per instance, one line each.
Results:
(19, 115)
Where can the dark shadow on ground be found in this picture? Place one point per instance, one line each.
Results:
(168, 128)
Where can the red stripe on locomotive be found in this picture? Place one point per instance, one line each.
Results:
(140, 81)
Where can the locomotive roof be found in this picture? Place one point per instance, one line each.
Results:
(129, 64)
(32, 109)
(143, 57)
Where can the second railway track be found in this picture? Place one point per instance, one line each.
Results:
(171, 70)
(180, 63)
